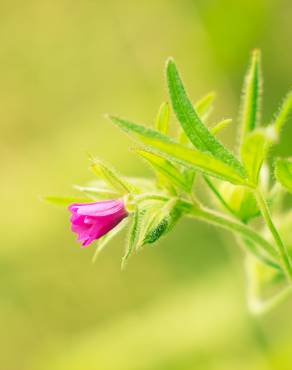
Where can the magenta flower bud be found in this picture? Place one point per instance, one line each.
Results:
(90, 221)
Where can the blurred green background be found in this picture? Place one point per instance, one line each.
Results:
(180, 305)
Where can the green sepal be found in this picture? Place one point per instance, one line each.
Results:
(162, 220)
(143, 217)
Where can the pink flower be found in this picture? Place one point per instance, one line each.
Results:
(92, 220)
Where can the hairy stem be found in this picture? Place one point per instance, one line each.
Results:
(217, 194)
(218, 219)
(282, 250)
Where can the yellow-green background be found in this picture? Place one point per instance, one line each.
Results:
(180, 305)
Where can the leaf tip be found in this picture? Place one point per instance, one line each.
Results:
(42, 198)
(170, 63)
(256, 52)
(169, 60)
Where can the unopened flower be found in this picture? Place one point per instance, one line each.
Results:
(90, 221)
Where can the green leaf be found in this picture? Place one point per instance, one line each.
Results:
(281, 117)
(162, 119)
(220, 126)
(103, 241)
(283, 113)
(283, 173)
(111, 177)
(253, 152)
(190, 176)
(173, 151)
(64, 201)
(251, 96)
(162, 125)
(165, 168)
(196, 160)
(204, 106)
(191, 123)
(139, 132)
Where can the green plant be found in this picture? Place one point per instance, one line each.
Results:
(245, 187)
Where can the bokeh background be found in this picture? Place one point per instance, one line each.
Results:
(180, 305)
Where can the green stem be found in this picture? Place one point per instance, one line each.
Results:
(231, 225)
(257, 252)
(217, 194)
(282, 250)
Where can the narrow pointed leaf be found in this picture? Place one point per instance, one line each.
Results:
(251, 95)
(196, 131)
(173, 151)
(253, 153)
(196, 160)
(220, 126)
(281, 117)
(139, 132)
(165, 168)
(111, 177)
(162, 119)
(283, 113)
(190, 176)
(204, 106)
(162, 125)
(283, 173)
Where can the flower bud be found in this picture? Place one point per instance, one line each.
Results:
(90, 221)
